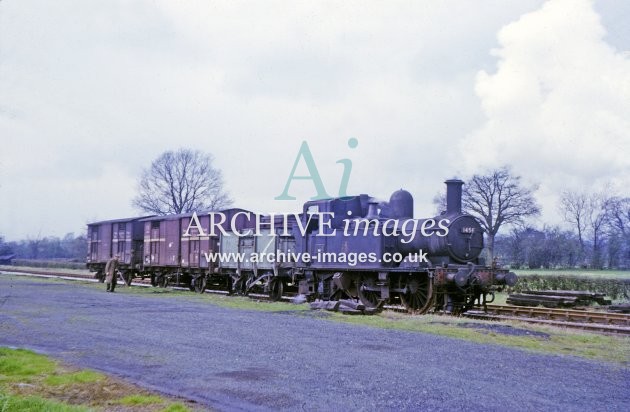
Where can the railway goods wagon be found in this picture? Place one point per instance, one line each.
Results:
(200, 244)
(162, 249)
(122, 237)
(176, 247)
(262, 261)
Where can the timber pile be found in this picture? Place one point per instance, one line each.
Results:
(557, 298)
(622, 308)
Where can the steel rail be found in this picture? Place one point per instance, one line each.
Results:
(592, 327)
(567, 315)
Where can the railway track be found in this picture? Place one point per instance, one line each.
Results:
(603, 322)
(121, 283)
(617, 323)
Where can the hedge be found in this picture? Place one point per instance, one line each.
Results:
(52, 264)
(616, 289)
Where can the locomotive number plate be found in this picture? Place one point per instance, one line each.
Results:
(468, 230)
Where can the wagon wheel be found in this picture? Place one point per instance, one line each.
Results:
(100, 276)
(153, 280)
(127, 277)
(162, 281)
(419, 294)
(200, 284)
(368, 297)
(276, 288)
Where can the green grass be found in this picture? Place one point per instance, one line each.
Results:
(559, 341)
(32, 382)
(609, 274)
(239, 302)
(9, 268)
(176, 407)
(134, 400)
(10, 403)
(500, 298)
(85, 376)
(19, 365)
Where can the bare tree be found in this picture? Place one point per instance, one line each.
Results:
(619, 231)
(34, 246)
(590, 215)
(575, 207)
(439, 200)
(496, 199)
(181, 182)
(619, 212)
(598, 218)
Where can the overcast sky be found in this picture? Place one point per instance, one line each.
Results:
(92, 91)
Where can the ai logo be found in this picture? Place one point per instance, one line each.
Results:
(313, 173)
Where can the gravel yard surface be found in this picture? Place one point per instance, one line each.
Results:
(233, 359)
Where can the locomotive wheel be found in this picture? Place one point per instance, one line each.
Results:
(200, 284)
(368, 297)
(276, 288)
(418, 297)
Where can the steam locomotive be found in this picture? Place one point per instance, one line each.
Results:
(352, 248)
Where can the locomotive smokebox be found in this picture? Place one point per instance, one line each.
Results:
(454, 196)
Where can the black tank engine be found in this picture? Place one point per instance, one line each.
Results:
(428, 264)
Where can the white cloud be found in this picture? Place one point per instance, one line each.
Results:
(558, 105)
(91, 93)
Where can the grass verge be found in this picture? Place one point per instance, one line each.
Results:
(33, 382)
(592, 273)
(544, 339)
(9, 268)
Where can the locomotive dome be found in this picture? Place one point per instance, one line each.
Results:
(401, 204)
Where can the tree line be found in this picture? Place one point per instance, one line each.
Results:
(598, 236)
(69, 247)
(596, 231)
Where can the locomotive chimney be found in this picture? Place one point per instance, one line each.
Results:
(454, 196)
(372, 210)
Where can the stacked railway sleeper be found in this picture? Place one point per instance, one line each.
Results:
(557, 298)
(358, 250)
